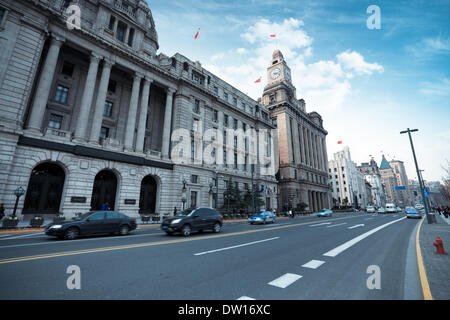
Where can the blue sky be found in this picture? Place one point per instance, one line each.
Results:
(368, 85)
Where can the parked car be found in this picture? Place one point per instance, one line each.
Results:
(191, 220)
(370, 209)
(419, 206)
(92, 223)
(381, 210)
(399, 209)
(325, 213)
(412, 213)
(262, 217)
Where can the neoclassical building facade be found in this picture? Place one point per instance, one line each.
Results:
(87, 116)
(303, 159)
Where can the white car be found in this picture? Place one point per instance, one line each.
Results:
(390, 208)
(370, 209)
(381, 210)
(419, 206)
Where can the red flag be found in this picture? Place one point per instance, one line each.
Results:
(196, 35)
(363, 171)
(273, 35)
(340, 142)
(259, 80)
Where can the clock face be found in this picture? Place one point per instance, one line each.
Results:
(275, 73)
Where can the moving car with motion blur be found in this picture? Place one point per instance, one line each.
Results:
(413, 213)
(391, 208)
(262, 217)
(92, 223)
(191, 220)
(370, 209)
(381, 210)
(325, 213)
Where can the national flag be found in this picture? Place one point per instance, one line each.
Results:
(340, 142)
(273, 35)
(363, 171)
(196, 35)
(258, 80)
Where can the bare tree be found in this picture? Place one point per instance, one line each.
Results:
(445, 187)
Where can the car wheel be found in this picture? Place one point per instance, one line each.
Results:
(186, 230)
(169, 233)
(217, 227)
(265, 221)
(124, 230)
(71, 233)
(251, 222)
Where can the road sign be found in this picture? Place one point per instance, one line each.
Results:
(400, 188)
(427, 194)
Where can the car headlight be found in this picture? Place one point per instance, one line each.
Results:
(175, 221)
(56, 226)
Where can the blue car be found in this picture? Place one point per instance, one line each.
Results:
(412, 213)
(263, 217)
(325, 213)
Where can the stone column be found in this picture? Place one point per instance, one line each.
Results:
(142, 126)
(132, 111)
(44, 85)
(311, 158)
(302, 145)
(316, 151)
(86, 102)
(167, 123)
(305, 141)
(296, 142)
(100, 103)
(320, 151)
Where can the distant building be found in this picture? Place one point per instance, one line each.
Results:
(389, 181)
(373, 177)
(404, 195)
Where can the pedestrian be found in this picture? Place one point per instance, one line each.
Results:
(175, 211)
(105, 206)
(439, 210)
(447, 212)
(2, 211)
(290, 214)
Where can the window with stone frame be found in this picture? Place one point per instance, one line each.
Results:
(131, 37)
(107, 111)
(55, 121)
(216, 90)
(225, 96)
(196, 106)
(104, 133)
(112, 21)
(120, 32)
(235, 101)
(193, 199)
(194, 178)
(61, 94)
(67, 69)
(215, 116)
(112, 86)
(225, 120)
(235, 124)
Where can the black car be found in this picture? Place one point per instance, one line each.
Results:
(191, 220)
(92, 223)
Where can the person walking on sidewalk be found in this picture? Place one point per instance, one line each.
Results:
(2, 211)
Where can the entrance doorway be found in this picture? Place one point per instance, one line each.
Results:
(104, 190)
(147, 200)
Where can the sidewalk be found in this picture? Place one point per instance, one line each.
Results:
(437, 266)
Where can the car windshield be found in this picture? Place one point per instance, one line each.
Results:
(186, 212)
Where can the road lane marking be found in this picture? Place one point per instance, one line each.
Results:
(335, 225)
(285, 280)
(369, 219)
(422, 272)
(313, 264)
(37, 235)
(147, 244)
(237, 246)
(320, 224)
(245, 298)
(348, 244)
(356, 226)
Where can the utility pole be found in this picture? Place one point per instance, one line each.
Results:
(427, 212)
(253, 190)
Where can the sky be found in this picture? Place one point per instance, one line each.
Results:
(367, 84)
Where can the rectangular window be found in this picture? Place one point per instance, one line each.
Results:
(235, 141)
(107, 111)
(130, 37)
(225, 96)
(234, 101)
(224, 157)
(235, 124)
(216, 90)
(194, 178)
(235, 161)
(243, 106)
(67, 69)
(225, 120)
(112, 20)
(192, 150)
(104, 133)
(215, 116)
(112, 86)
(250, 109)
(196, 106)
(225, 183)
(120, 33)
(55, 121)
(61, 94)
(244, 127)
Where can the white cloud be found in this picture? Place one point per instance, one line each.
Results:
(323, 84)
(440, 88)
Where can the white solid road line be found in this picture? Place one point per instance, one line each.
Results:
(237, 246)
(356, 226)
(245, 298)
(285, 280)
(335, 225)
(320, 224)
(348, 244)
(313, 264)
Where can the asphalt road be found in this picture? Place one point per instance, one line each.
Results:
(302, 258)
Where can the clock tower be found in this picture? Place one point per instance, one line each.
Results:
(279, 86)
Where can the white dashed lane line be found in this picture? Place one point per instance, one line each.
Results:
(320, 224)
(285, 280)
(335, 225)
(313, 264)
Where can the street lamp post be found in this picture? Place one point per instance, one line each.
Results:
(429, 219)
(183, 196)
(18, 193)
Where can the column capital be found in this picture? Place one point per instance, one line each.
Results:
(148, 79)
(95, 57)
(57, 40)
(109, 61)
(137, 76)
(171, 90)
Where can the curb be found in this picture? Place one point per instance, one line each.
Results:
(422, 272)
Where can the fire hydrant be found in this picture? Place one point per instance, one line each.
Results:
(439, 246)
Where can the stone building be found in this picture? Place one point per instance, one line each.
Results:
(373, 177)
(405, 198)
(389, 181)
(88, 115)
(303, 160)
